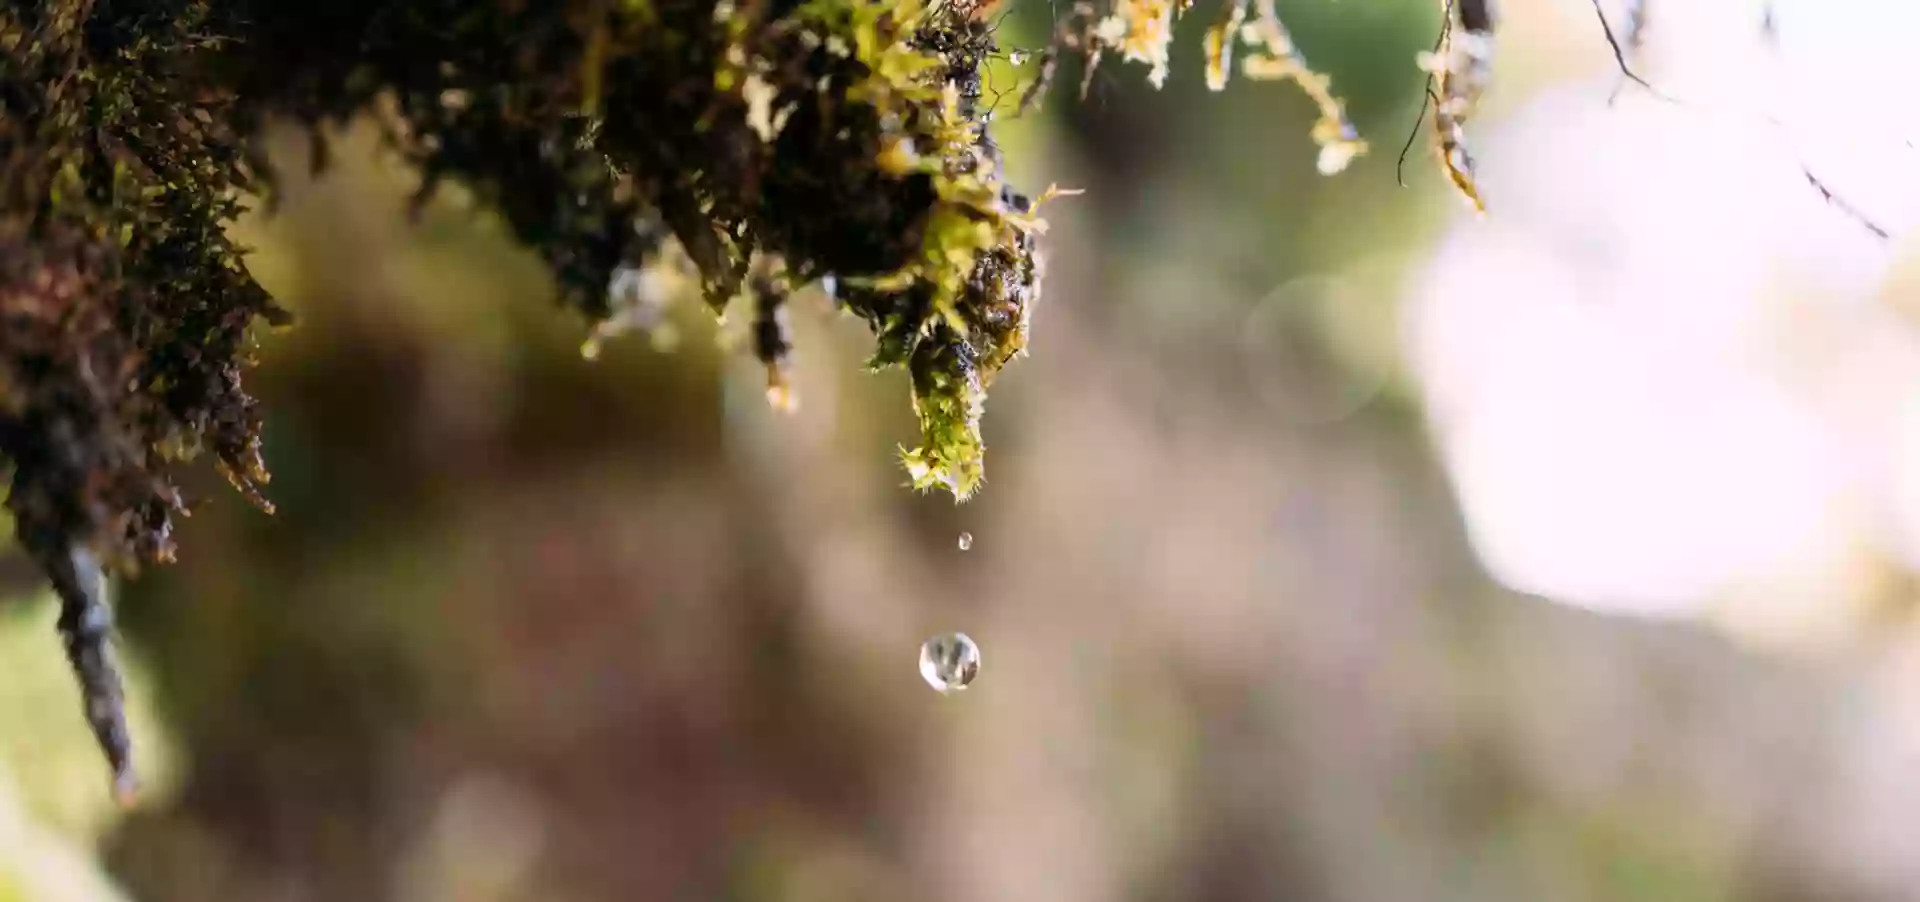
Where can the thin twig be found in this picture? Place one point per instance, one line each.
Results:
(1768, 31)
(1400, 166)
(1841, 204)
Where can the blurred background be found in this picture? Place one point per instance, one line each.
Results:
(1337, 545)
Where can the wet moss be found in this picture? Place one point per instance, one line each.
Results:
(752, 146)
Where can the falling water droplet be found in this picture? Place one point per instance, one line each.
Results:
(949, 662)
(966, 541)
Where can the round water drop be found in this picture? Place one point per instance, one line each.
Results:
(966, 541)
(949, 662)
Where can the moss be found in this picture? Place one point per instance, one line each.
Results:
(747, 148)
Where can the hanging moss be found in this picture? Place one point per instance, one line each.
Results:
(756, 146)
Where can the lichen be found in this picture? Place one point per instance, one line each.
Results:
(1458, 69)
(1142, 31)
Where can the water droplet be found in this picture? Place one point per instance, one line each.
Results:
(1017, 57)
(949, 662)
(966, 541)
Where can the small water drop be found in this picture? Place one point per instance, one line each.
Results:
(1017, 58)
(966, 541)
(949, 662)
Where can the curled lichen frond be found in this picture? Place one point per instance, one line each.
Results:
(1273, 56)
(1276, 57)
(1461, 68)
(1219, 41)
(1142, 30)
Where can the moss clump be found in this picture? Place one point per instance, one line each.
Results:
(755, 146)
(124, 309)
(776, 143)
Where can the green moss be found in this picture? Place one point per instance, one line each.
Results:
(746, 147)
